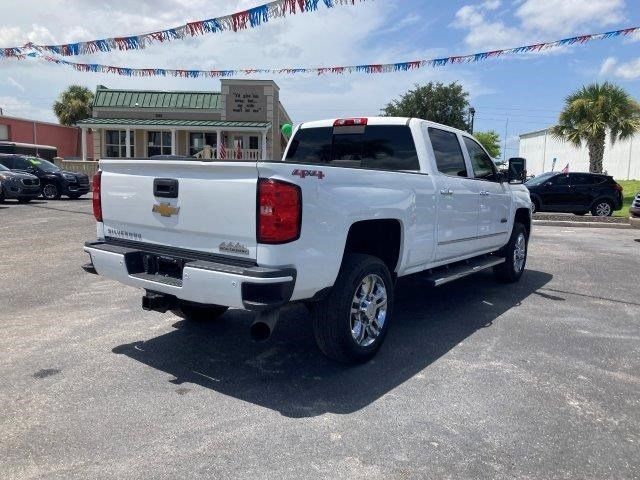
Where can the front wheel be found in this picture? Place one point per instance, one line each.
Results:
(199, 312)
(602, 208)
(351, 323)
(515, 253)
(51, 192)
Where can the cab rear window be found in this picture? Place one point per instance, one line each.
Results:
(376, 147)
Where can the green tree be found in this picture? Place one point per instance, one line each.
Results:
(73, 104)
(446, 104)
(490, 140)
(592, 111)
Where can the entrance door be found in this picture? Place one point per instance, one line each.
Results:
(456, 197)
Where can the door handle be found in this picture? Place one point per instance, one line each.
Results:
(446, 191)
(484, 193)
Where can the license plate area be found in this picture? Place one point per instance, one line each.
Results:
(154, 264)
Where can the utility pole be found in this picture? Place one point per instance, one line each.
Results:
(472, 113)
(506, 132)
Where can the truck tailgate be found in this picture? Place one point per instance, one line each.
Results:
(203, 206)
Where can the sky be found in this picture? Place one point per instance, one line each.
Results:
(510, 95)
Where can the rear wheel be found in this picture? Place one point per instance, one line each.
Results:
(51, 192)
(1, 195)
(351, 323)
(515, 253)
(199, 312)
(602, 208)
(535, 208)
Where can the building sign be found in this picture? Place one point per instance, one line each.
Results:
(246, 103)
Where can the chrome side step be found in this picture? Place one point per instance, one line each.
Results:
(475, 265)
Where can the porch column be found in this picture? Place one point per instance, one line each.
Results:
(173, 141)
(218, 143)
(83, 139)
(264, 145)
(127, 143)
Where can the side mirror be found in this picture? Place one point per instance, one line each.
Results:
(517, 172)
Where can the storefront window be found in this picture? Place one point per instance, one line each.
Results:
(197, 141)
(158, 143)
(115, 142)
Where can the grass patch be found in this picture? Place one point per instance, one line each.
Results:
(631, 187)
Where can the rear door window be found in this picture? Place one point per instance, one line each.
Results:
(376, 147)
(580, 179)
(446, 148)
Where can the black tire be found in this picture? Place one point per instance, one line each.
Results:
(332, 316)
(24, 200)
(511, 270)
(602, 208)
(51, 191)
(1, 195)
(535, 206)
(199, 312)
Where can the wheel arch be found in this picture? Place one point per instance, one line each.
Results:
(387, 246)
(523, 216)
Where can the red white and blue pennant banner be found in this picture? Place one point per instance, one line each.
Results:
(237, 21)
(367, 68)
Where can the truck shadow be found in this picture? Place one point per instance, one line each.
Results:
(290, 375)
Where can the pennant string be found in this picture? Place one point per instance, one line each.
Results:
(250, 17)
(237, 21)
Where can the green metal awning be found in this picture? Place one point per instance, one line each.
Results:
(151, 123)
(142, 99)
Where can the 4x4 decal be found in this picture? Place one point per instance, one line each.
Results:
(308, 173)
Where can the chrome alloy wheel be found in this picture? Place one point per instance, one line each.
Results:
(49, 191)
(603, 209)
(519, 253)
(368, 310)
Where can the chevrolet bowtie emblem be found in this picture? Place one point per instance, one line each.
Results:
(165, 209)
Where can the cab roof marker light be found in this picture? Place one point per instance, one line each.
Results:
(343, 122)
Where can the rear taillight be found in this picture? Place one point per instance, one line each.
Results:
(97, 201)
(344, 122)
(618, 187)
(279, 211)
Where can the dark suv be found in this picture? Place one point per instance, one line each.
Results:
(54, 182)
(22, 186)
(577, 193)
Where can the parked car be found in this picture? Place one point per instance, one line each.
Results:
(577, 193)
(54, 181)
(22, 186)
(353, 205)
(634, 211)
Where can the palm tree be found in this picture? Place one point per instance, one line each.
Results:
(73, 104)
(591, 112)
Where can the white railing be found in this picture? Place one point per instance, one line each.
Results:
(245, 154)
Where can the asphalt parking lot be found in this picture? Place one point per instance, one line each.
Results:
(476, 379)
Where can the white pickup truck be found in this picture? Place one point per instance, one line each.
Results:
(353, 205)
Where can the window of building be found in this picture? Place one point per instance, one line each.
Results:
(197, 141)
(376, 147)
(446, 148)
(253, 143)
(115, 143)
(481, 163)
(158, 143)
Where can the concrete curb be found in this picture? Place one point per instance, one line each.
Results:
(560, 223)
